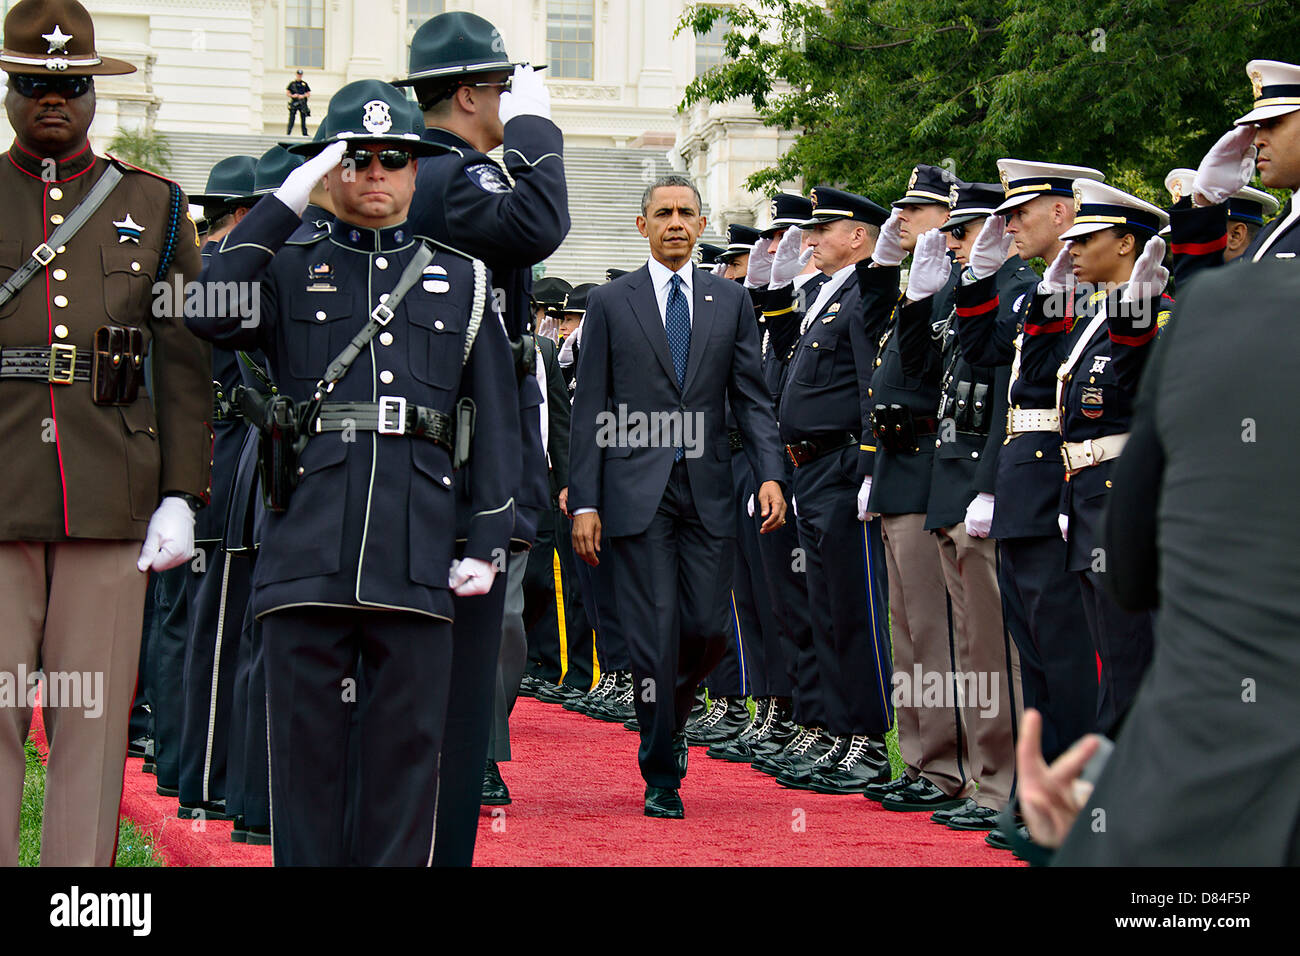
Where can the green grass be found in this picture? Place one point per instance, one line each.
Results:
(133, 847)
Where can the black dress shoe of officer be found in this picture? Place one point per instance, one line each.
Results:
(738, 748)
(138, 747)
(878, 791)
(735, 720)
(239, 833)
(941, 817)
(149, 767)
(204, 810)
(167, 791)
(495, 793)
(799, 774)
(530, 685)
(258, 836)
(795, 747)
(978, 818)
(681, 751)
(664, 803)
(857, 769)
(998, 840)
(921, 794)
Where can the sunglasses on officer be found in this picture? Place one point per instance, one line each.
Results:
(503, 85)
(34, 87)
(388, 158)
(958, 232)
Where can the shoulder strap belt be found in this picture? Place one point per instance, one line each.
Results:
(44, 254)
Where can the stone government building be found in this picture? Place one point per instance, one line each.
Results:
(211, 76)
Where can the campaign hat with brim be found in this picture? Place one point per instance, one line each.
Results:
(1276, 87)
(577, 299)
(1179, 183)
(740, 240)
(272, 169)
(229, 181)
(1023, 180)
(371, 111)
(1251, 205)
(707, 254)
(54, 38)
(786, 210)
(928, 185)
(832, 205)
(457, 44)
(551, 290)
(968, 202)
(1099, 206)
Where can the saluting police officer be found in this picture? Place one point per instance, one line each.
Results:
(1248, 209)
(463, 83)
(377, 336)
(93, 467)
(824, 420)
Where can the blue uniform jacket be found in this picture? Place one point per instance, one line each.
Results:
(371, 524)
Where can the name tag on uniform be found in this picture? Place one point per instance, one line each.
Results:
(708, 298)
(434, 279)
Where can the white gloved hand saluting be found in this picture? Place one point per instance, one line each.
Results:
(889, 248)
(470, 577)
(169, 542)
(528, 96)
(931, 266)
(1059, 276)
(1229, 165)
(991, 248)
(1149, 276)
(979, 515)
(864, 496)
(571, 342)
(1063, 522)
(789, 259)
(760, 265)
(298, 185)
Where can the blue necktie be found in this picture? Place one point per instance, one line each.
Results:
(677, 326)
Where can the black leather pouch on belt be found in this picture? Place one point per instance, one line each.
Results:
(117, 369)
(280, 443)
(893, 428)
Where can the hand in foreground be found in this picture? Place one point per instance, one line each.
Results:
(169, 542)
(1050, 797)
(470, 577)
(586, 537)
(298, 185)
(1229, 165)
(771, 506)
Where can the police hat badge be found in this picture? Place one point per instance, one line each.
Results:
(916, 171)
(1006, 183)
(1078, 202)
(1256, 84)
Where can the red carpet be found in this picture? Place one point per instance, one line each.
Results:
(578, 802)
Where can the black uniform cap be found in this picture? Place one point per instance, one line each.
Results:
(551, 290)
(970, 201)
(577, 300)
(786, 210)
(740, 239)
(707, 254)
(928, 185)
(831, 205)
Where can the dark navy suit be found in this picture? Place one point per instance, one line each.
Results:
(351, 581)
(670, 524)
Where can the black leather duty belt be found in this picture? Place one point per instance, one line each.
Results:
(734, 440)
(58, 364)
(805, 451)
(391, 415)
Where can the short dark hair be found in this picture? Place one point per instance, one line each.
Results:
(431, 94)
(672, 179)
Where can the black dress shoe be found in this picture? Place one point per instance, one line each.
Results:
(204, 810)
(558, 694)
(663, 802)
(528, 685)
(681, 751)
(258, 836)
(149, 767)
(168, 791)
(943, 816)
(139, 747)
(859, 767)
(239, 832)
(977, 818)
(878, 791)
(495, 793)
(921, 794)
(730, 723)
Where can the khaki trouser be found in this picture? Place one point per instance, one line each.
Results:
(986, 658)
(74, 610)
(918, 618)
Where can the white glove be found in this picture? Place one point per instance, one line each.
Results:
(298, 184)
(169, 542)
(749, 506)
(565, 355)
(979, 515)
(528, 96)
(1229, 165)
(788, 261)
(470, 577)
(1063, 522)
(991, 248)
(864, 495)
(1059, 276)
(1149, 274)
(889, 249)
(760, 265)
(720, 269)
(930, 266)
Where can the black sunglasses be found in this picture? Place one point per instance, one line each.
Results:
(388, 158)
(504, 85)
(34, 87)
(958, 232)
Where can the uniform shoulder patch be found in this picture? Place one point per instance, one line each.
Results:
(487, 178)
(1162, 318)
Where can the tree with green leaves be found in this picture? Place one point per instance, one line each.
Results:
(149, 150)
(1131, 87)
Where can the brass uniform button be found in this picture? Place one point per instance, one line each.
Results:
(135, 267)
(61, 301)
(1038, 454)
(59, 275)
(60, 331)
(1107, 482)
(381, 263)
(56, 219)
(56, 193)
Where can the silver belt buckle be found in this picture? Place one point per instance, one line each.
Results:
(391, 407)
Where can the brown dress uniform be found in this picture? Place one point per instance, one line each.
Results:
(81, 480)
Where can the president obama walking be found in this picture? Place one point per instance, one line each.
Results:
(663, 351)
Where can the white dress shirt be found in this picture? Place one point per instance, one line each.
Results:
(662, 277)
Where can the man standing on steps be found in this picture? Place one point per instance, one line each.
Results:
(668, 344)
(299, 92)
(475, 99)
